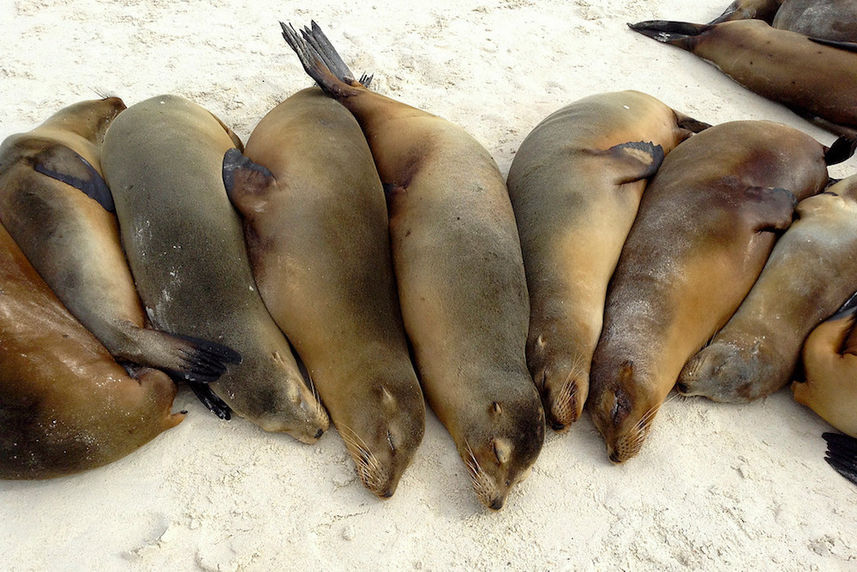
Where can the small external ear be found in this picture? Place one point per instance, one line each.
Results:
(502, 450)
(61, 163)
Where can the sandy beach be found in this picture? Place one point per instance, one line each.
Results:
(716, 487)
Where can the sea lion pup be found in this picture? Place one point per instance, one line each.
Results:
(706, 225)
(65, 404)
(316, 229)
(809, 274)
(575, 186)
(815, 81)
(163, 160)
(457, 261)
(830, 369)
(55, 204)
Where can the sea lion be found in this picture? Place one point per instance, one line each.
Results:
(185, 244)
(315, 221)
(809, 274)
(827, 19)
(706, 225)
(55, 204)
(749, 9)
(575, 185)
(65, 404)
(460, 274)
(815, 81)
(830, 370)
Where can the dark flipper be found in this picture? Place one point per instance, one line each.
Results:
(245, 181)
(322, 63)
(635, 160)
(841, 150)
(842, 455)
(749, 10)
(773, 208)
(847, 46)
(689, 123)
(681, 34)
(211, 401)
(61, 163)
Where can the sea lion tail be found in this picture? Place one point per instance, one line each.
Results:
(841, 150)
(681, 34)
(322, 62)
(842, 455)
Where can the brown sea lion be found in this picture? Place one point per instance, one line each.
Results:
(816, 81)
(575, 185)
(830, 370)
(457, 261)
(810, 273)
(65, 404)
(706, 225)
(827, 19)
(55, 204)
(185, 244)
(315, 220)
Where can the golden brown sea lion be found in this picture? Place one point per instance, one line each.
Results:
(457, 260)
(316, 227)
(55, 204)
(814, 80)
(575, 185)
(830, 370)
(65, 404)
(810, 273)
(163, 161)
(706, 225)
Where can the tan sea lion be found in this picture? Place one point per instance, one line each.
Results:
(55, 204)
(810, 273)
(163, 160)
(457, 261)
(575, 185)
(830, 370)
(815, 81)
(315, 220)
(65, 404)
(706, 225)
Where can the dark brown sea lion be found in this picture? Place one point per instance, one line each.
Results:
(457, 260)
(56, 206)
(65, 404)
(827, 19)
(316, 227)
(810, 273)
(575, 185)
(707, 222)
(816, 81)
(185, 244)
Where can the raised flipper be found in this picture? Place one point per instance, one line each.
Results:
(681, 34)
(636, 160)
(749, 10)
(61, 163)
(847, 46)
(211, 401)
(842, 455)
(322, 63)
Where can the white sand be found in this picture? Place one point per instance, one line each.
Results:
(715, 487)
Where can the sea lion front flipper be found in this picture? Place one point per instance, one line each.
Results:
(635, 160)
(847, 46)
(61, 163)
(749, 10)
(842, 455)
(246, 181)
(774, 208)
(690, 124)
(681, 34)
(211, 401)
(841, 150)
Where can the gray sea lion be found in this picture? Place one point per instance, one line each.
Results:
(706, 225)
(56, 206)
(827, 19)
(816, 81)
(810, 273)
(316, 227)
(575, 185)
(65, 404)
(457, 261)
(162, 159)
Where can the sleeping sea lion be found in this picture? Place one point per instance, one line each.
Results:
(316, 227)
(575, 185)
(65, 404)
(706, 225)
(749, 9)
(457, 261)
(163, 161)
(55, 204)
(815, 81)
(827, 19)
(810, 273)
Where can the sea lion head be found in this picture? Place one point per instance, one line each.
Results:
(724, 371)
(501, 457)
(290, 407)
(382, 443)
(89, 119)
(623, 413)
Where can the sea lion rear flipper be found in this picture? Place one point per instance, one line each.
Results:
(841, 150)
(211, 401)
(61, 163)
(681, 34)
(847, 46)
(774, 208)
(322, 62)
(635, 160)
(749, 10)
(842, 454)
(245, 181)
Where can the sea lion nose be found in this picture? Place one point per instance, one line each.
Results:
(497, 504)
(614, 457)
(319, 433)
